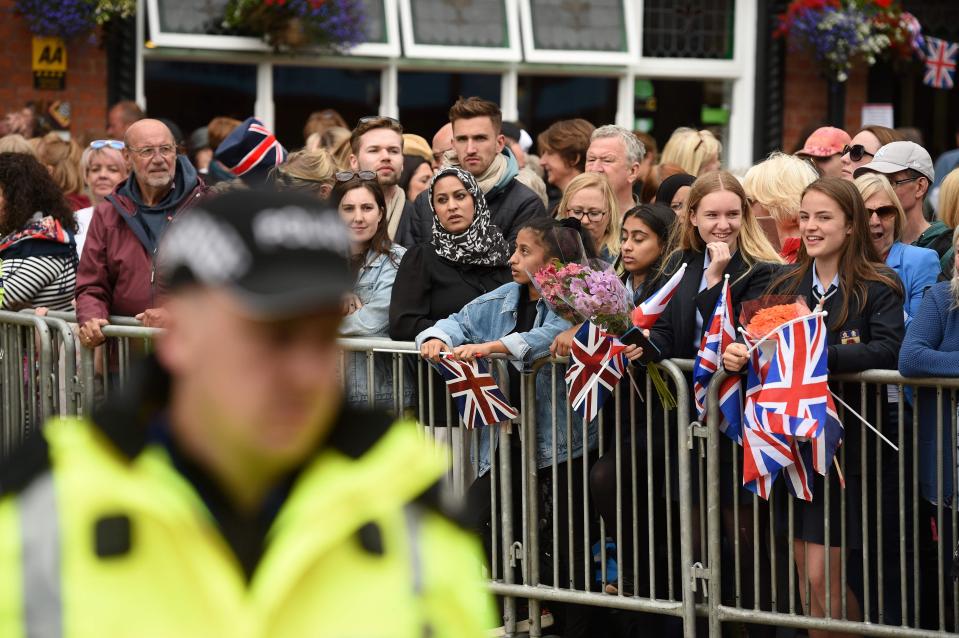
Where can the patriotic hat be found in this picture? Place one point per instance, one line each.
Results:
(900, 156)
(250, 151)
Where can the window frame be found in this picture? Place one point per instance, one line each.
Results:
(415, 50)
(580, 56)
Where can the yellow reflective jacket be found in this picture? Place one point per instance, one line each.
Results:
(100, 543)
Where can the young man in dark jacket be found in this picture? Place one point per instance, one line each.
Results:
(480, 148)
(116, 272)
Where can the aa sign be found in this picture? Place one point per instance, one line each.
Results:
(49, 63)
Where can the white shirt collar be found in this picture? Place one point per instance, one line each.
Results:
(818, 284)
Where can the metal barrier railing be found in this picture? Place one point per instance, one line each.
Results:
(880, 575)
(686, 544)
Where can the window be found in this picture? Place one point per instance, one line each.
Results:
(690, 29)
(464, 29)
(546, 99)
(299, 91)
(187, 23)
(191, 93)
(579, 31)
(662, 106)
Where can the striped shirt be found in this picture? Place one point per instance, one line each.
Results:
(31, 282)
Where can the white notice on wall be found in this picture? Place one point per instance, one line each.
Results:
(879, 114)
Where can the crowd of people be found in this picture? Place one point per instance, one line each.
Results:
(445, 234)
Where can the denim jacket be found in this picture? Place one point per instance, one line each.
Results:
(374, 285)
(492, 317)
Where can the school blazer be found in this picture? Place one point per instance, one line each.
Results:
(674, 331)
(872, 332)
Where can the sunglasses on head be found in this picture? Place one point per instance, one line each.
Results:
(345, 176)
(114, 144)
(883, 212)
(856, 152)
(376, 118)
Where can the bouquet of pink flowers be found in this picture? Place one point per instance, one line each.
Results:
(586, 293)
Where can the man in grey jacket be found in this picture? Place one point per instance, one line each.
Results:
(481, 149)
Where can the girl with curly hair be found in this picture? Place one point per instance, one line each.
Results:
(37, 247)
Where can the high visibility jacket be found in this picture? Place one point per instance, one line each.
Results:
(103, 544)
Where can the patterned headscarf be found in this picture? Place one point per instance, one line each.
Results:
(481, 244)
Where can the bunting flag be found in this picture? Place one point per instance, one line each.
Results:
(597, 365)
(479, 400)
(646, 313)
(940, 60)
(718, 336)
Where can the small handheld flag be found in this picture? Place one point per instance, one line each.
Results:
(646, 313)
(479, 400)
(598, 363)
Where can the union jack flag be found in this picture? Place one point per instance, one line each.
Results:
(479, 400)
(940, 63)
(646, 313)
(257, 155)
(598, 363)
(797, 385)
(718, 336)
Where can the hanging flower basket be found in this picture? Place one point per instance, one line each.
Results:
(69, 19)
(837, 33)
(291, 25)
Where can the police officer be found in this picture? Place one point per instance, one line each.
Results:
(231, 492)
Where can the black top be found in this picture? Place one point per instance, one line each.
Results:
(525, 318)
(874, 333)
(429, 288)
(674, 331)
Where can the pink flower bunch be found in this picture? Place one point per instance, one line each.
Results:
(579, 293)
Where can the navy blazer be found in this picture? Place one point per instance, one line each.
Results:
(674, 331)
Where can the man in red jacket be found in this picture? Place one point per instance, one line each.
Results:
(116, 272)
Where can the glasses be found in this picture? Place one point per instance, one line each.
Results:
(856, 152)
(114, 144)
(906, 179)
(594, 215)
(677, 206)
(345, 176)
(883, 212)
(147, 152)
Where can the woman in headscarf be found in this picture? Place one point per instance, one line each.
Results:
(466, 257)
(673, 192)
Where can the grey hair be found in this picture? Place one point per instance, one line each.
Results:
(635, 151)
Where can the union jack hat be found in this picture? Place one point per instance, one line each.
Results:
(250, 151)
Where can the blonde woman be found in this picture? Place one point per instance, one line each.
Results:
(309, 171)
(590, 199)
(62, 159)
(949, 214)
(918, 268)
(774, 188)
(696, 152)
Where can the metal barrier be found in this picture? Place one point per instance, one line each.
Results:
(877, 579)
(682, 549)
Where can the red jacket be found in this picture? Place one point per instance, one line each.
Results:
(116, 273)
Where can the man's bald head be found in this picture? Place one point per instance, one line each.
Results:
(147, 129)
(442, 142)
(151, 151)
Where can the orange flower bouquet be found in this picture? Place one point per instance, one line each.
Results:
(761, 317)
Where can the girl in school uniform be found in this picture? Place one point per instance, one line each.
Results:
(838, 265)
(718, 236)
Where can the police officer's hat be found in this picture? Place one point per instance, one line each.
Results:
(280, 254)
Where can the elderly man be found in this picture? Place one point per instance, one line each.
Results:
(121, 116)
(377, 146)
(229, 490)
(481, 149)
(116, 272)
(616, 153)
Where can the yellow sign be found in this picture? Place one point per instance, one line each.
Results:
(49, 54)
